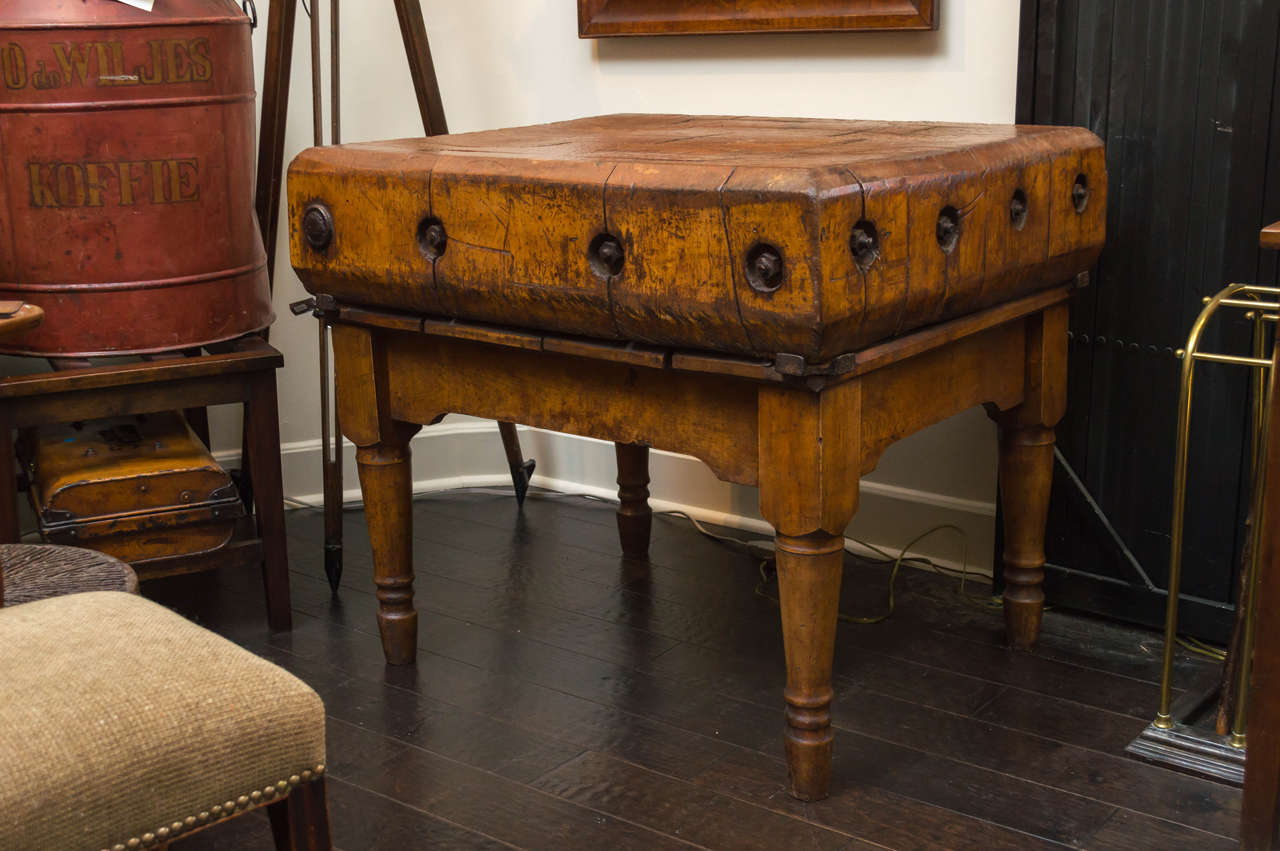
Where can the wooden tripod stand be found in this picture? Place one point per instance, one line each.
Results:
(275, 105)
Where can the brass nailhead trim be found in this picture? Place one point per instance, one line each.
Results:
(168, 834)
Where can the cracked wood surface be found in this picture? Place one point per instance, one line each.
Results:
(689, 198)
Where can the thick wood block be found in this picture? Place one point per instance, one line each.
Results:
(745, 235)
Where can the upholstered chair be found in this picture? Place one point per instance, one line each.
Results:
(124, 726)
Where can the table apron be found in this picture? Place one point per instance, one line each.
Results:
(713, 418)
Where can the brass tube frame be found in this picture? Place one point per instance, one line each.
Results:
(1236, 359)
(1258, 451)
(1224, 298)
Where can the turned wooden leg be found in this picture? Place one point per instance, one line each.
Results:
(382, 457)
(809, 570)
(635, 518)
(1026, 472)
(386, 483)
(810, 457)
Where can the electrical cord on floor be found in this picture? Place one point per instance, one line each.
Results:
(897, 562)
(763, 550)
(1201, 648)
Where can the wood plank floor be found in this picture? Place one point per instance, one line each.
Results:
(567, 698)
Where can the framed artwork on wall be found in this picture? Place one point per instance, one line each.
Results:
(597, 18)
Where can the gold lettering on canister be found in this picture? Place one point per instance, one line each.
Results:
(108, 63)
(13, 66)
(125, 183)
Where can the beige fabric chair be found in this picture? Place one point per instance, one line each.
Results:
(123, 725)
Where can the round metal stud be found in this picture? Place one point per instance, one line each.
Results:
(317, 226)
(320, 769)
(948, 230)
(1018, 209)
(864, 242)
(432, 237)
(1080, 193)
(162, 833)
(605, 254)
(255, 796)
(765, 269)
(294, 780)
(242, 801)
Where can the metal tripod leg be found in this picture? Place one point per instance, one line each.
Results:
(416, 47)
(331, 456)
(521, 470)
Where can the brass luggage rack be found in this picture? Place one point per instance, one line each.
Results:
(1171, 738)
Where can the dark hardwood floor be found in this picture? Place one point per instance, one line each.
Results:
(567, 698)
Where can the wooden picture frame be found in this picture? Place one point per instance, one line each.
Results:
(597, 18)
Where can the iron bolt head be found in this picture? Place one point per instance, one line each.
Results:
(764, 267)
(1018, 210)
(1080, 193)
(768, 265)
(317, 226)
(606, 255)
(864, 242)
(611, 253)
(948, 229)
(432, 238)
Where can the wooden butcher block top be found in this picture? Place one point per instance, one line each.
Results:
(752, 236)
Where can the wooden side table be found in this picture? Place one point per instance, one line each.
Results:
(243, 372)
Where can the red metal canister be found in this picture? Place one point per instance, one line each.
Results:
(126, 175)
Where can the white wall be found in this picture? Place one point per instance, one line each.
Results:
(510, 62)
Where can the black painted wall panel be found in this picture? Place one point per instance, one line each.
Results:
(1184, 93)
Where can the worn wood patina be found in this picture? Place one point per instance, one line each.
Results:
(782, 299)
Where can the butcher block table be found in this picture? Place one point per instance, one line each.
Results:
(780, 298)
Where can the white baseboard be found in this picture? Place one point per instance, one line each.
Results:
(460, 453)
